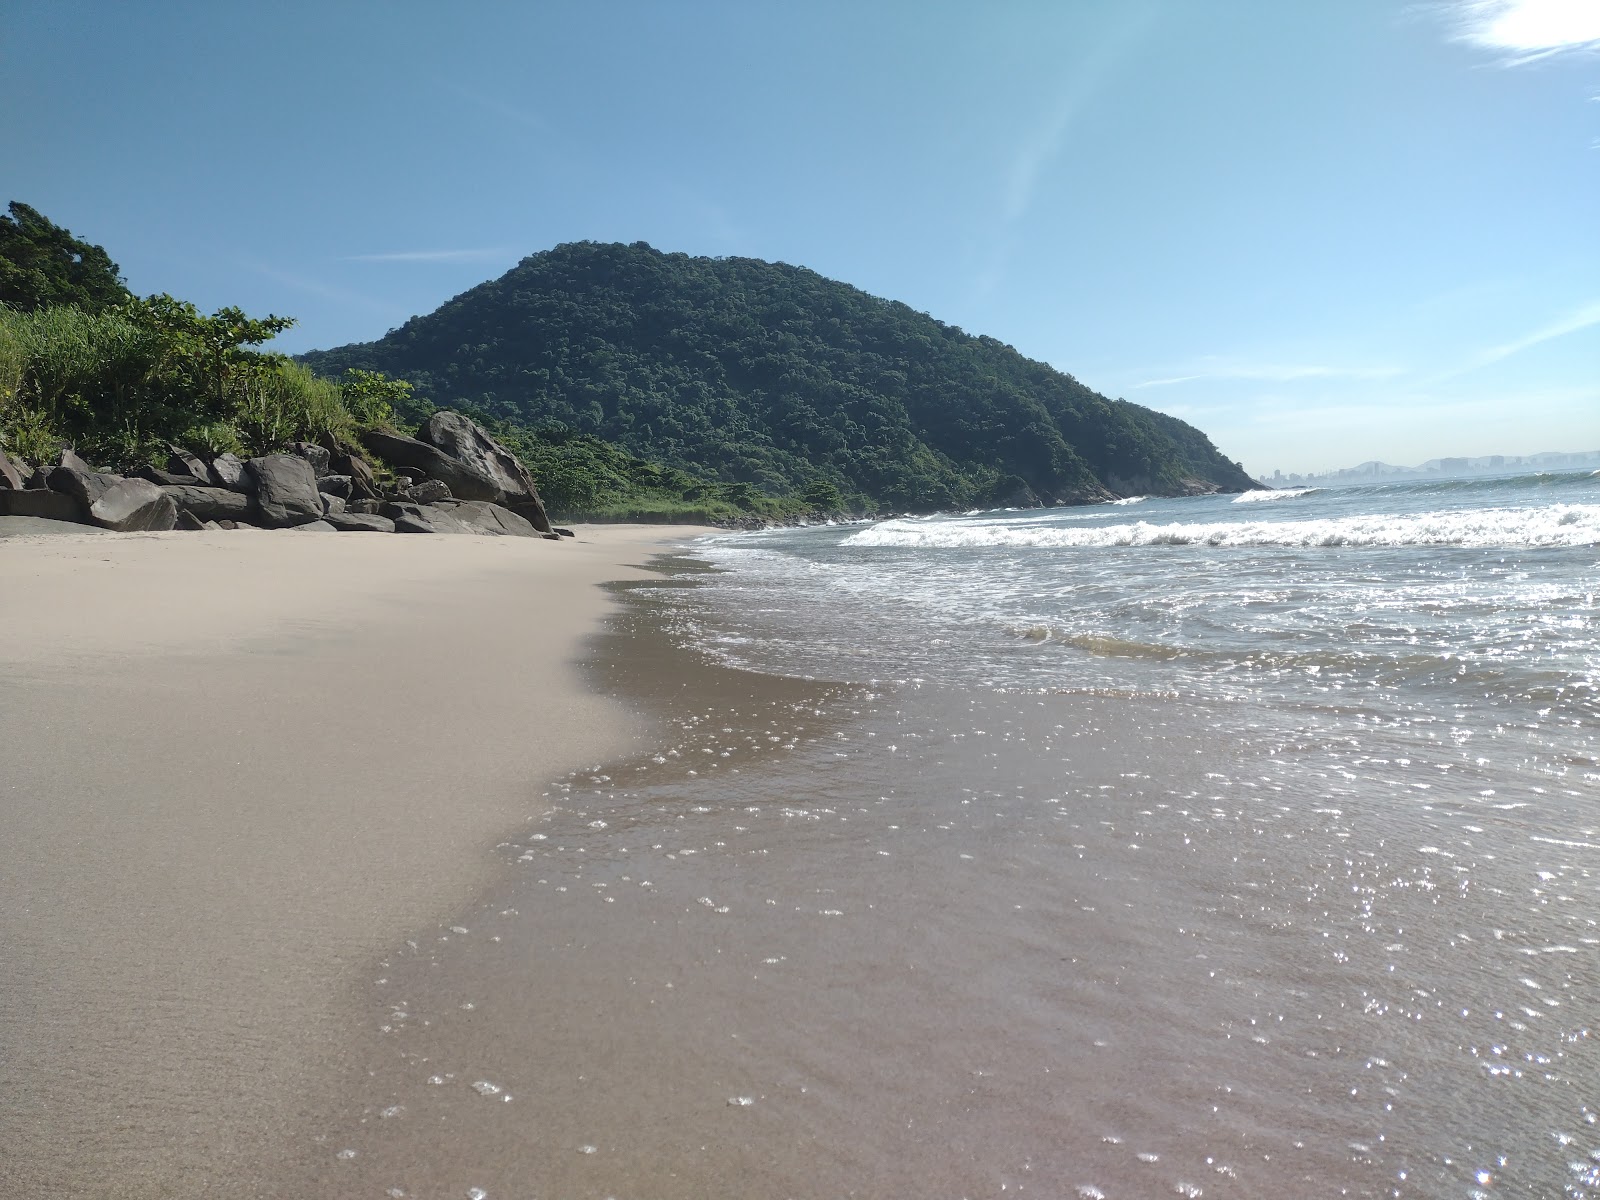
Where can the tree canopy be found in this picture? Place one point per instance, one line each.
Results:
(771, 375)
(42, 265)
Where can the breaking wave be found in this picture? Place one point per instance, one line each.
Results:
(1554, 526)
(1274, 494)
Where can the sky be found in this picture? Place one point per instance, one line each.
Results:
(1324, 232)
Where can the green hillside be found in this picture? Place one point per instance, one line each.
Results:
(760, 373)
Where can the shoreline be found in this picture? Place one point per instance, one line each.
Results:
(240, 767)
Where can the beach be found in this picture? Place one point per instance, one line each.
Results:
(1224, 849)
(237, 767)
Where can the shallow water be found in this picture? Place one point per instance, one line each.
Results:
(1023, 926)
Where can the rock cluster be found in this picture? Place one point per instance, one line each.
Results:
(453, 478)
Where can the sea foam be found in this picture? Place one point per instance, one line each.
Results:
(1553, 526)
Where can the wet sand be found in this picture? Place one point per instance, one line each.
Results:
(236, 769)
(822, 940)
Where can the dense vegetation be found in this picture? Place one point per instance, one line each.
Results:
(774, 377)
(84, 363)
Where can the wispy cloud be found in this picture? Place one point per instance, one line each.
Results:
(486, 254)
(1522, 31)
(1270, 373)
(494, 104)
(316, 287)
(1582, 318)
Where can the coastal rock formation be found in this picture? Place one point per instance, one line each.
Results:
(311, 488)
(133, 506)
(286, 490)
(457, 452)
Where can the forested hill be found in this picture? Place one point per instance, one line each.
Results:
(769, 374)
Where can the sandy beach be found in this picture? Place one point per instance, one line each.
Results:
(238, 766)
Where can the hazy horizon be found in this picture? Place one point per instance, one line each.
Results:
(1322, 235)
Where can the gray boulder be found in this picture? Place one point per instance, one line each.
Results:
(154, 474)
(181, 462)
(363, 485)
(10, 473)
(331, 504)
(313, 527)
(349, 522)
(491, 519)
(78, 479)
(429, 491)
(228, 470)
(369, 507)
(36, 502)
(209, 503)
(132, 506)
(188, 521)
(424, 518)
(452, 448)
(335, 485)
(501, 477)
(317, 456)
(286, 490)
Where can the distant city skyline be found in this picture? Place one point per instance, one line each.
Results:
(1321, 233)
(1444, 468)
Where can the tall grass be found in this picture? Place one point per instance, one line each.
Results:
(119, 389)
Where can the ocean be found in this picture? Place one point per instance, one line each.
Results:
(1218, 846)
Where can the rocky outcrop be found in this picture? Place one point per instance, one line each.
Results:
(286, 490)
(461, 481)
(134, 506)
(209, 503)
(459, 453)
(502, 475)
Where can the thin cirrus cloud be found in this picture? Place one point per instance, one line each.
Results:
(1271, 373)
(485, 254)
(1523, 31)
(1579, 319)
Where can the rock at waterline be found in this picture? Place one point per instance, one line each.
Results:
(286, 490)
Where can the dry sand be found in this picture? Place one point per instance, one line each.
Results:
(233, 768)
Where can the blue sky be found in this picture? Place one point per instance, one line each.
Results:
(1323, 232)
